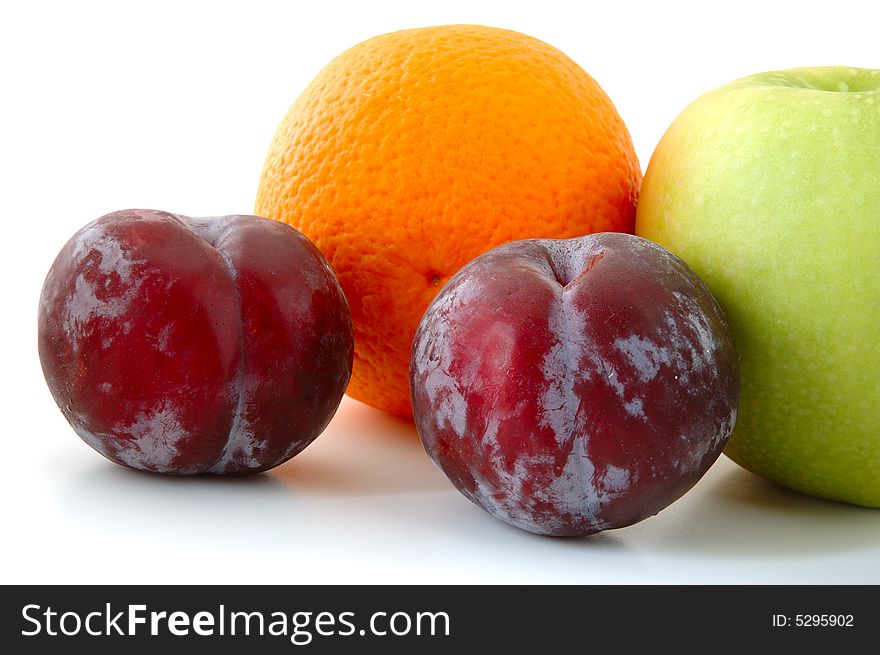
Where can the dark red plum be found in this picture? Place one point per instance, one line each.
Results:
(569, 387)
(183, 346)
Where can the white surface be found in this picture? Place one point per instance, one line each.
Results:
(172, 106)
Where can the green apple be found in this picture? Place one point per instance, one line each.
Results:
(769, 187)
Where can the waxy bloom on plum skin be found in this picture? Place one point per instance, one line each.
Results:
(183, 346)
(568, 387)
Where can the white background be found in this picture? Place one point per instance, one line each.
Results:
(172, 105)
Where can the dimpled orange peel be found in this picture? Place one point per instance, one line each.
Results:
(413, 152)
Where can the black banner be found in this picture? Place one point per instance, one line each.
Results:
(435, 619)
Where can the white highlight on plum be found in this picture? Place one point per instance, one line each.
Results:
(578, 490)
(560, 370)
(96, 441)
(154, 439)
(645, 356)
(84, 305)
(696, 344)
(113, 257)
(442, 389)
(636, 408)
(607, 371)
(616, 479)
(574, 491)
(507, 504)
(447, 400)
(164, 337)
(242, 449)
(434, 358)
(697, 321)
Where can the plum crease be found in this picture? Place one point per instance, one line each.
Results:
(213, 232)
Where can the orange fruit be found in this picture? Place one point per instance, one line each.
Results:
(413, 152)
